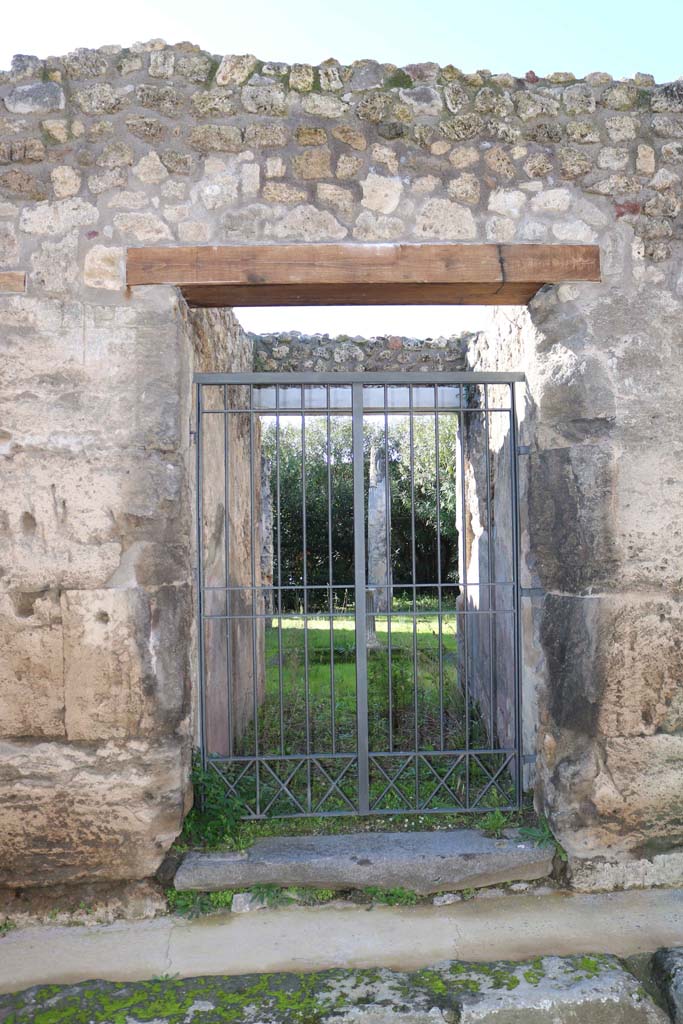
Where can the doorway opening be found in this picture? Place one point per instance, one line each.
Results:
(348, 662)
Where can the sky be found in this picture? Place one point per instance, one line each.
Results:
(581, 36)
(618, 36)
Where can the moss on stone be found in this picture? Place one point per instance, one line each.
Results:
(399, 79)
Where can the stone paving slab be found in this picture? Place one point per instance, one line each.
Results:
(425, 862)
(550, 990)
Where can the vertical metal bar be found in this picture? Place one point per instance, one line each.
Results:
(361, 611)
(279, 569)
(199, 511)
(304, 543)
(514, 490)
(493, 695)
(330, 576)
(390, 589)
(226, 552)
(463, 576)
(416, 705)
(438, 563)
(254, 618)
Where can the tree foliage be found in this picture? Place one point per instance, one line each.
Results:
(311, 469)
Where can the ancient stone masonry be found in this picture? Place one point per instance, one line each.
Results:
(109, 148)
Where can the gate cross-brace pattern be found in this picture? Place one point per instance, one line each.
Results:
(358, 591)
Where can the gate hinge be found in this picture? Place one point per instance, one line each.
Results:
(532, 592)
(193, 437)
(523, 449)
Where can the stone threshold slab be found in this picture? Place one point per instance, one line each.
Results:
(424, 862)
(303, 939)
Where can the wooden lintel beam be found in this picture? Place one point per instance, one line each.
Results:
(389, 268)
(13, 281)
(507, 294)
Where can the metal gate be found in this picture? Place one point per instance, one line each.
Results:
(358, 591)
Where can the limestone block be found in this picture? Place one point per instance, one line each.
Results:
(324, 106)
(631, 815)
(574, 231)
(508, 202)
(465, 189)
(301, 77)
(125, 662)
(313, 163)
(97, 99)
(372, 227)
(84, 63)
(647, 519)
(465, 126)
(55, 265)
(57, 128)
(570, 495)
(330, 77)
(72, 812)
(348, 166)
(196, 67)
(58, 218)
(341, 199)
(194, 232)
(264, 134)
(9, 249)
(84, 509)
(150, 169)
(381, 194)
(116, 178)
(116, 154)
(233, 70)
(31, 664)
(37, 98)
(215, 101)
(141, 227)
(621, 96)
(264, 99)
(440, 218)
(552, 200)
(422, 100)
(350, 136)
(500, 229)
(579, 99)
(308, 224)
(645, 161)
(66, 182)
(498, 161)
(163, 98)
(161, 64)
(455, 97)
(281, 192)
(621, 128)
(217, 138)
(668, 98)
(641, 644)
(104, 268)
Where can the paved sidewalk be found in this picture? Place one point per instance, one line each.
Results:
(511, 927)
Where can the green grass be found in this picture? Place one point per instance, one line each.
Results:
(396, 897)
(310, 704)
(331, 670)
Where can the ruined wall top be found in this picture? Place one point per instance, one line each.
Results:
(292, 351)
(161, 144)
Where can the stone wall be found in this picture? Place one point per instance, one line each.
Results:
(164, 145)
(293, 352)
